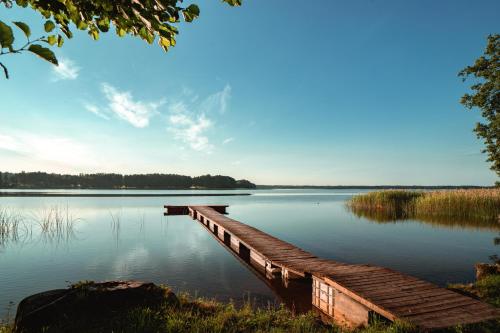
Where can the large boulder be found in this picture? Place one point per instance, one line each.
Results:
(87, 305)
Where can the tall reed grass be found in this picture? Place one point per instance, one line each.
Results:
(12, 226)
(56, 223)
(392, 203)
(53, 224)
(474, 206)
(116, 224)
(467, 204)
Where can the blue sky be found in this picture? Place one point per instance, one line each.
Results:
(278, 92)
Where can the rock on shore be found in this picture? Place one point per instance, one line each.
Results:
(87, 304)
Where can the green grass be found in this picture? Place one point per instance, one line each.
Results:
(475, 207)
(202, 315)
(394, 204)
(487, 288)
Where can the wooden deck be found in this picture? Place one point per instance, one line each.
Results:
(345, 292)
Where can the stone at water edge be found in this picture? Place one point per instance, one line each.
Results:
(88, 303)
(483, 270)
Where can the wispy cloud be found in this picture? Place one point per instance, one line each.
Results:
(95, 110)
(190, 121)
(123, 105)
(218, 101)
(61, 150)
(67, 70)
(226, 141)
(190, 128)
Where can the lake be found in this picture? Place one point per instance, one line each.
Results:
(129, 238)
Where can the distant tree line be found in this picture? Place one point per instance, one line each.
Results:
(116, 181)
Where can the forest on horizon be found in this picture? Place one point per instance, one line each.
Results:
(32, 180)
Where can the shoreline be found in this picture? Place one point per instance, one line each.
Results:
(112, 195)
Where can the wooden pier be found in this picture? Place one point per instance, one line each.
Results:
(345, 293)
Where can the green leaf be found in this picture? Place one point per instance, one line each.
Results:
(94, 33)
(22, 3)
(66, 31)
(82, 25)
(49, 26)
(6, 35)
(52, 39)
(164, 43)
(120, 32)
(103, 24)
(191, 12)
(24, 27)
(233, 2)
(60, 41)
(43, 53)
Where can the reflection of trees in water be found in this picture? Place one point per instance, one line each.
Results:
(400, 216)
(53, 225)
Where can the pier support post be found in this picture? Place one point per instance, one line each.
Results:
(257, 258)
(243, 251)
(193, 214)
(235, 244)
(349, 312)
(271, 270)
(287, 275)
(337, 306)
(323, 296)
(220, 233)
(227, 238)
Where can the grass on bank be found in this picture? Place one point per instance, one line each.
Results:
(487, 289)
(474, 205)
(202, 315)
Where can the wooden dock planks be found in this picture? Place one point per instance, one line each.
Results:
(391, 294)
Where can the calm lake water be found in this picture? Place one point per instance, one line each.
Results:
(129, 238)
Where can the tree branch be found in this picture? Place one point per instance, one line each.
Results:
(5, 70)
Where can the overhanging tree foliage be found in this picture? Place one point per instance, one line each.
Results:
(486, 97)
(148, 19)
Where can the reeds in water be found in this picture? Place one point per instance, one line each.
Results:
(394, 204)
(12, 226)
(116, 224)
(473, 207)
(481, 204)
(56, 223)
(52, 224)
